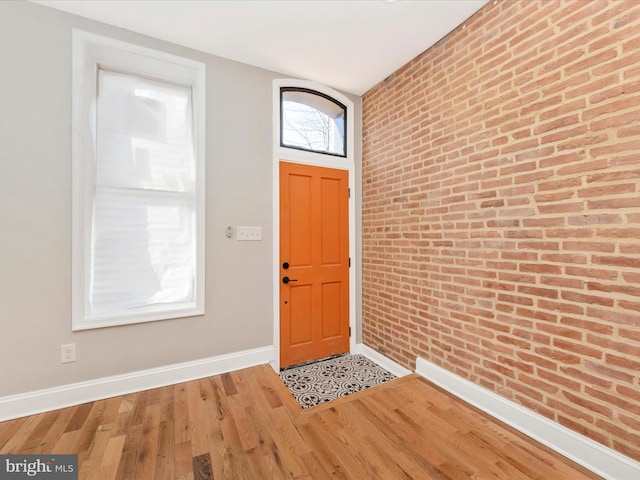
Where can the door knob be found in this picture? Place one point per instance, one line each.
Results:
(285, 265)
(286, 280)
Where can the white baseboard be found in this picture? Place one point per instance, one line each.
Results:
(39, 401)
(582, 450)
(386, 363)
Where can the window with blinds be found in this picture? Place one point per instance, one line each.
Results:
(138, 187)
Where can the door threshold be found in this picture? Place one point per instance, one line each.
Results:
(311, 362)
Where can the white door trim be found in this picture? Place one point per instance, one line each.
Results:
(291, 155)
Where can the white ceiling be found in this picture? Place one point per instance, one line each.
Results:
(350, 45)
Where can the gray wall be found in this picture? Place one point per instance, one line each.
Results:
(35, 212)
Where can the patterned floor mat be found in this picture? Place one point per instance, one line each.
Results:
(326, 380)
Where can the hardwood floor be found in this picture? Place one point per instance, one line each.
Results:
(246, 425)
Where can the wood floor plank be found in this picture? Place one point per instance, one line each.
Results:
(113, 452)
(90, 466)
(20, 436)
(128, 403)
(181, 425)
(139, 408)
(202, 467)
(229, 385)
(314, 466)
(66, 443)
(49, 441)
(211, 412)
(166, 434)
(89, 432)
(183, 464)
(148, 449)
(80, 416)
(128, 460)
(166, 445)
(198, 432)
(246, 425)
(274, 466)
(32, 443)
(10, 430)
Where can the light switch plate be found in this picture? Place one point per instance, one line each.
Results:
(249, 233)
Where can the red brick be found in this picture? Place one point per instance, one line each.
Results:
(630, 334)
(624, 289)
(538, 360)
(608, 190)
(597, 327)
(620, 431)
(577, 348)
(588, 404)
(633, 306)
(538, 384)
(561, 184)
(594, 219)
(565, 258)
(613, 316)
(617, 261)
(606, 371)
(582, 141)
(567, 233)
(557, 136)
(538, 292)
(626, 348)
(580, 374)
(560, 357)
(589, 299)
(629, 393)
(629, 146)
(560, 331)
(537, 315)
(614, 203)
(562, 307)
(622, 118)
(621, 63)
(581, 79)
(539, 268)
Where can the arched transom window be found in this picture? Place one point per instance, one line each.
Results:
(312, 121)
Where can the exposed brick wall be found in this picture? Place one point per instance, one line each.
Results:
(501, 211)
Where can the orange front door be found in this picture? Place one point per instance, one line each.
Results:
(314, 257)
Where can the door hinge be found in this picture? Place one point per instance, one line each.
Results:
(349, 262)
(349, 192)
(349, 331)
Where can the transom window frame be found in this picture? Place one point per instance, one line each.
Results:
(345, 140)
(90, 54)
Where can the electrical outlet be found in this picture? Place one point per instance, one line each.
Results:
(249, 233)
(68, 353)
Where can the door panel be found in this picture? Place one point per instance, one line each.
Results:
(314, 241)
(331, 301)
(300, 218)
(330, 229)
(301, 308)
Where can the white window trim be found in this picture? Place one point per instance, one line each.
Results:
(319, 159)
(88, 52)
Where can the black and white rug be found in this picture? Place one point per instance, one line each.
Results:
(326, 380)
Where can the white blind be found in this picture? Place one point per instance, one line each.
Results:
(143, 239)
